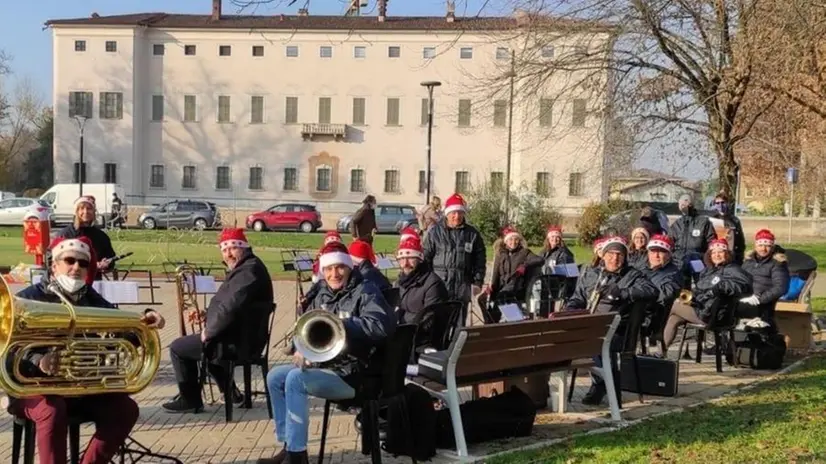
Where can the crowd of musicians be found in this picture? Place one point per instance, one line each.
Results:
(445, 261)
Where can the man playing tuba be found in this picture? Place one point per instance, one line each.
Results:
(114, 414)
(367, 320)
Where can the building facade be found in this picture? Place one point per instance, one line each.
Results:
(256, 110)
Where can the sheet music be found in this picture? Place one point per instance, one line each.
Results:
(121, 292)
(511, 313)
(303, 264)
(567, 270)
(697, 265)
(385, 263)
(205, 284)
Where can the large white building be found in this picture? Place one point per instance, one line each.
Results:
(258, 109)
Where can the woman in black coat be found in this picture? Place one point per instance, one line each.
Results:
(770, 276)
(637, 251)
(721, 281)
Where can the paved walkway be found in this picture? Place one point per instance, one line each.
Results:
(207, 438)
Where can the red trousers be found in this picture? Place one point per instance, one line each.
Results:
(114, 416)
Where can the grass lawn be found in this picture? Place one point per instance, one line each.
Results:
(780, 421)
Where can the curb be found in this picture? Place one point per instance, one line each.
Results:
(624, 424)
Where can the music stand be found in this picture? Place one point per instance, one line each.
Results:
(137, 451)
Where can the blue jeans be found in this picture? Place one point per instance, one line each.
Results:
(290, 388)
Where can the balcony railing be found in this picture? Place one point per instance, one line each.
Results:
(310, 130)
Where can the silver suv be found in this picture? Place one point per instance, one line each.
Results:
(182, 214)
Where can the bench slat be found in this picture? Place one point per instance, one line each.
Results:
(499, 331)
(557, 337)
(493, 361)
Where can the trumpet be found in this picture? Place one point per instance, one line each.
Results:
(593, 299)
(685, 296)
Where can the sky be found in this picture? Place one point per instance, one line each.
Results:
(30, 45)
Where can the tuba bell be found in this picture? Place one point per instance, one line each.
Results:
(319, 336)
(685, 296)
(96, 347)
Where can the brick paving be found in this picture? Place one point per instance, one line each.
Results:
(207, 438)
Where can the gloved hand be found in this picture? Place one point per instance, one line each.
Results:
(750, 300)
(520, 270)
(487, 290)
(614, 293)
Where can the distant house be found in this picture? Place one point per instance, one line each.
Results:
(645, 185)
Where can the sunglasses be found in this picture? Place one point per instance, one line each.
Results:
(84, 263)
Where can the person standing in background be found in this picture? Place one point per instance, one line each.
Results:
(430, 214)
(84, 226)
(363, 224)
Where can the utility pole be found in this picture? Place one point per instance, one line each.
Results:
(81, 125)
(429, 85)
(510, 136)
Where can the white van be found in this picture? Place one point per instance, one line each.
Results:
(62, 198)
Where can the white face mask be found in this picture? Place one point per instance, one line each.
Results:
(70, 284)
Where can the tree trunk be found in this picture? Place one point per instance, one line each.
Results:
(727, 168)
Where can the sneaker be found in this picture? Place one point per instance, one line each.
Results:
(179, 405)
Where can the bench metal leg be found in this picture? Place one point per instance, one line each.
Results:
(453, 404)
(608, 376)
(558, 395)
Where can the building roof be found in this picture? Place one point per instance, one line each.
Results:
(648, 174)
(310, 22)
(656, 182)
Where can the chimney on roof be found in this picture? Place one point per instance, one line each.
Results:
(303, 12)
(451, 11)
(522, 17)
(216, 10)
(95, 15)
(382, 10)
(281, 17)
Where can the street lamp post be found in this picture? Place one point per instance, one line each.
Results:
(81, 170)
(429, 85)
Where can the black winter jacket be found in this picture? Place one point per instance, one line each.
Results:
(669, 281)
(638, 259)
(632, 286)
(373, 275)
(505, 276)
(457, 256)
(371, 321)
(238, 314)
(419, 290)
(557, 256)
(691, 234)
(770, 278)
(100, 242)
(725, 283)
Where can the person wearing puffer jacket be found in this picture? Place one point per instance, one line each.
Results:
(722, 278)
(637, 251)
(512, 261)
(769, 271)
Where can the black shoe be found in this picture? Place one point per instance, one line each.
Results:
(181, 405)
(595, 394)
(279, 458)
(237, 396)
(297, 457)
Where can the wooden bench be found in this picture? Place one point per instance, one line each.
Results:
(495, 352)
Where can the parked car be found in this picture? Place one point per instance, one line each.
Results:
(13, 211)
(624, 220)
(182, 213)
(389, 218)
(286, 216)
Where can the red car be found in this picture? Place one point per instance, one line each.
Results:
(286, 216)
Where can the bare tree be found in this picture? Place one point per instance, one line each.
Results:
(18, 126)
(663, 67)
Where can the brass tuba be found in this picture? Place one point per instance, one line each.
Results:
(685, 296)
(95, 347)
(319, 336)
(188, 309)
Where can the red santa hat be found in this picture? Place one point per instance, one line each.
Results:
(233, 238)
(614, 243)
(410, 248)
(510, 232)
(408, 232)
(80, 246)
(334, 253)
(87, 199)
(455, 203)
(661, 242)
(718, 244)
(598, 244)
(361, 250)
(764, 237)
(332, 236)
(554, 231)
